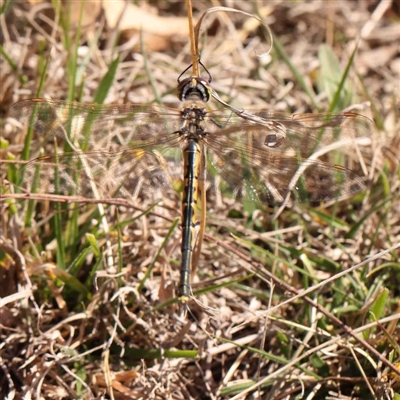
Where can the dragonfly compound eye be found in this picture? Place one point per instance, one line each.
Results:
(195, 89)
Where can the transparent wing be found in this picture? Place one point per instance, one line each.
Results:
(125, 150)
(104, 150)
(306, 158)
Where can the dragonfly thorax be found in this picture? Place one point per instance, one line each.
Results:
(193, 116)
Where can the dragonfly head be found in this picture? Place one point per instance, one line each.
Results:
(194, 89)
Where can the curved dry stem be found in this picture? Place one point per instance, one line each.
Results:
(228, 9)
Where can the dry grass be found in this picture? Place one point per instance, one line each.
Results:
(76, 323)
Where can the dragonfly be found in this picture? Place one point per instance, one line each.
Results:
(141, 151)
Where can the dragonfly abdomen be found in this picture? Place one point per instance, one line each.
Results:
(192, 156)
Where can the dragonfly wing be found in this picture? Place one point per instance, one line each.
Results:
(306, 133)
(133, 149)
(132, 172)
(288, 158)
(96, 126)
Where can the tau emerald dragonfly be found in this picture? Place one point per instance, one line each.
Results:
(137, 151)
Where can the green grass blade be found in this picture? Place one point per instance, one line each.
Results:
(81, 68)
(70, 46)
(231, 390)
(30, 209)
(131, 220)
(5, 6)
(72, 234)
(106, 82)
(378, 116)
(384, 266)
(12, 172)
(377, 309)
(260, 294)
(99, 98)
(269, 356)
(268, 257)
(358, 224)
(22, 78)
(232, 282)
(71, 282)
(96, 267)
(329, 219)
(80, 372)
(335, 103)
(379, 305)
(331, 79)
(92, 240)
(148, 71)
(296, 74)
(196, 293)
(158, 354)
(120, 265)
(28, 139)
(12, 176)
(58, 216)
(77, 263)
